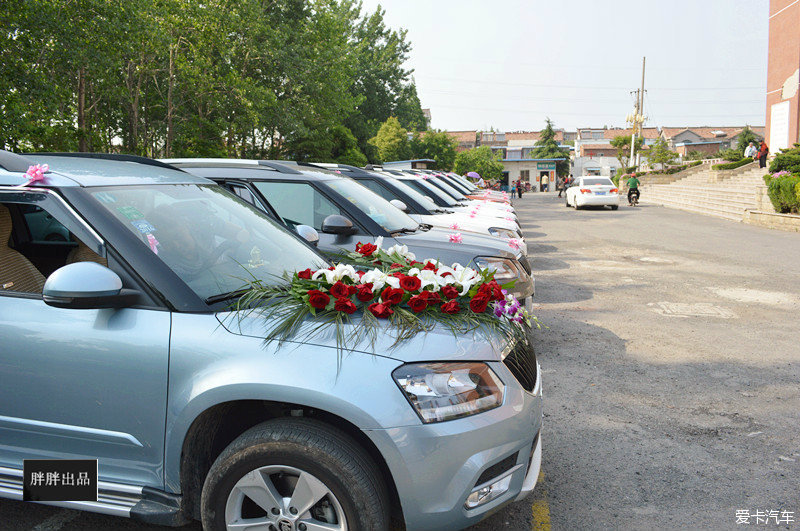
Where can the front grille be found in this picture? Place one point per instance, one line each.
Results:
(521, 361)
(526, 265)
(497, 469)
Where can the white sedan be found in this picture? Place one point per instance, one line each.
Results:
(593, 191)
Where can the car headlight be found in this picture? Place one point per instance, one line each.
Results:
(502, 233)
(448, 391)
(505, 269)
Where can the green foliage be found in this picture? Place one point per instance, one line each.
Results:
(623, 145)
(699, 155)
(391, 142)
(409, 110)
(745, 137)
(732, 165)
(436, 145)
(547, 148)
(732, 155)
(216, 78)
(783, 192)
(615, 179)
(786, 160)
(660, 154)
(482, 161)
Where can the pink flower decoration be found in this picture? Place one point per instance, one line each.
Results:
(36, 173)
(473, 214)
(514, 243)
(455, 237)
(455, 226)
(151, 240)
(426, 177)
(509, 218)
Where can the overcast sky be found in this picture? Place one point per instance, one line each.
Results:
(510, 63)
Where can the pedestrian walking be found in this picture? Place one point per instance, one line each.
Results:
(750, 151)
(519, 188)
(763, 151)
(560, 185)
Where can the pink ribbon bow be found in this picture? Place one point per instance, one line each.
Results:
(456, 237)
(35, 173)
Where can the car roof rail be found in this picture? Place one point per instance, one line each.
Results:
(283, 166)
(13, 162)
(112, 156)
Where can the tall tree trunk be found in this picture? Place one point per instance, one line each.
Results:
(82, 146)
(170, 132)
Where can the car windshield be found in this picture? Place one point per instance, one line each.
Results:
(428, 189)
(457, 185)
(595, 182)
(464, 182)
(211, 239)
(426, 203)
(438, 181)
(379, 209)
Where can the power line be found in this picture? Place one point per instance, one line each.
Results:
(577, 100)
(551, 111)
(583, 87)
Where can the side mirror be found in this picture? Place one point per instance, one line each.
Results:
(86, 285)
(309, 234)
(399, 204)
(336, 224)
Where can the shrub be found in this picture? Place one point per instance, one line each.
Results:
(732, 155)
(783, 192)
(797, 192)
(786, 160)
(615, 180)
(732, 165)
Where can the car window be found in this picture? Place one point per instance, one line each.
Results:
(378, 189)
(595, 182)
(414, 194)
(379, 209)
(34, 243)
(211, 239)
(437, 181)
(428, 189)
(298, 203)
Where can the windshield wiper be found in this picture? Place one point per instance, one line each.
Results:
(225, 296)
(404, 231)
(424, 227)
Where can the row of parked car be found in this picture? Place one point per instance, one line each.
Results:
(117, 275)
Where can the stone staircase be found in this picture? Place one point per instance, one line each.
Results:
(726, 194)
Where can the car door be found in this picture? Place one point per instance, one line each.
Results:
(300, 203)
(77, 384)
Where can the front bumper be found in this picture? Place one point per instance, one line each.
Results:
(437, 466)
(598, 200)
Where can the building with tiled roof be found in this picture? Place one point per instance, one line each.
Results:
(465, 139)
(704, 139)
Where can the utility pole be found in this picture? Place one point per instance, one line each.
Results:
(637, 119)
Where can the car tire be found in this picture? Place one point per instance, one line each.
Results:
(614, 207)
(575, 205)
(566, 202)
(277, 456)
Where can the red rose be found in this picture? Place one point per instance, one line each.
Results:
(478, 303)
(340, 290)
(431, 297)
(366, 249)
(497, 291)
(381, 311)
(484, 290)
(410, 283)
(447, 274)
(392, 295)
(415, 263)
(317, 299)
(396, 274)
(395, 265)
(306, 274)
(344, 305)
(450, 292)
(360, 273)
(417, 303)
(364, 292)
(430, 267)
(450, 307)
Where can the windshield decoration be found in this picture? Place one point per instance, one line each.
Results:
(384, 285)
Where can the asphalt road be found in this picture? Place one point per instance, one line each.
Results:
(671, 359)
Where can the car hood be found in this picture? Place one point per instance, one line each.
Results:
(438, 344)
(478, 224)
(485, 212)
(435, 243)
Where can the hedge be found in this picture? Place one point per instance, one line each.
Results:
(732, 165)
(786, 160)
(784, 192)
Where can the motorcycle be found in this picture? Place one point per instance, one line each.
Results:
(634, 198)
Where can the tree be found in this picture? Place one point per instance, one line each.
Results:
(547, 148)
(480, 160)
(660, 154)
(391, 142)
(623, 145)
(409, 110)
(745, 137)
(436, 145)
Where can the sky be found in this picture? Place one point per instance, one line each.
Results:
(509, 64)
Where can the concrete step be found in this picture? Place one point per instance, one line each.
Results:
(705, 210)
(722, 196)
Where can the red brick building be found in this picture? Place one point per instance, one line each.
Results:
(783, 74)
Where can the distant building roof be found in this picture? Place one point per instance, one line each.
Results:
(710, 132)
(463, 136)
(532, 135)
(648, 132)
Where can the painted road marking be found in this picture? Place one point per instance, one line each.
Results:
(699, 309)
(540, 510)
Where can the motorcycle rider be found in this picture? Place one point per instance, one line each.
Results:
(633, 188)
